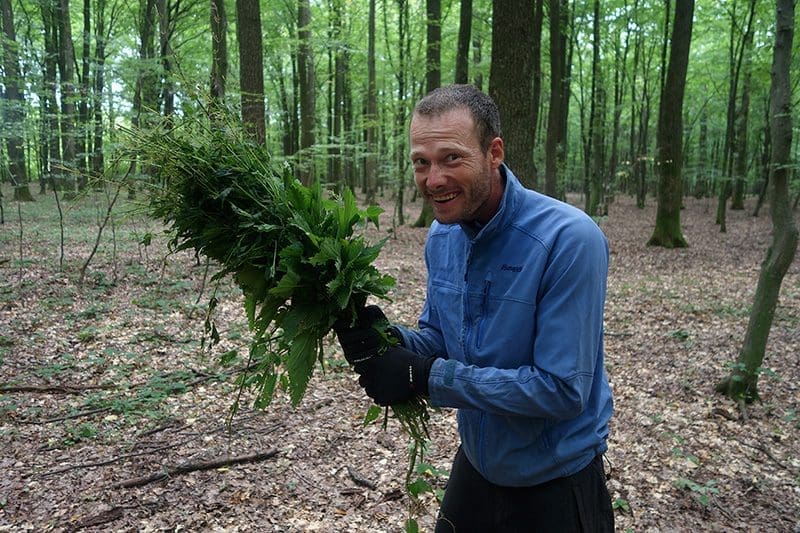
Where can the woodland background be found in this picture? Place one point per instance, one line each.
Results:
(586, 95)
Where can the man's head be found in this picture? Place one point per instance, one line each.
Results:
(484, 111)
(456, 152)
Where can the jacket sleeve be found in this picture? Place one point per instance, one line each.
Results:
(567, 347)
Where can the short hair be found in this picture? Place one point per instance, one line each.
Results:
(484, 111)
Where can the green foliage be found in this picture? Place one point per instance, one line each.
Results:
(293, 250)
(622, 505)
(703, 492)
(78, 433)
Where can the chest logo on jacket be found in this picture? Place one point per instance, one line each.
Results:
(511, 268)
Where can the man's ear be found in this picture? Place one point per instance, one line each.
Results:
(497, 152)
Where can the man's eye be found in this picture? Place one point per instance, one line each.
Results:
(452, 157)
(420, 162)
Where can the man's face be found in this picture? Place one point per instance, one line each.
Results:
(460, 181)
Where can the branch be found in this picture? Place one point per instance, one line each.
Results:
(193, 467)
(51, 389)
(765, 451)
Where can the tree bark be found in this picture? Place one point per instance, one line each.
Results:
(307, 78)
(50, 151)
(669, 153)
(464, 41)
(511, 82)
(433, 77)
(219, 53)
(14, 108)
(741, 122)
(558, 52)
(742, 384)
(66, 66)
(595, 199)
(251, 68)
(371, 115)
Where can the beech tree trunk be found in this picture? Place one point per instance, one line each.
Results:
(251, 68)
(66, 53)
(558, 54)
(433, 77)
(669, 138)
(219, 52)
(511, 82)
(742, 384)
(307, 88)
(14, 108)
(464, 40)
(371, 116)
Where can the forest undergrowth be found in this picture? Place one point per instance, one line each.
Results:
(114, 415)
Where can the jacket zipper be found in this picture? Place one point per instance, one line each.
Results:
(487, 286)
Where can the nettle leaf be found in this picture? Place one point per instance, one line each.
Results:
(329, 250)
(300, 363)
(286, 286)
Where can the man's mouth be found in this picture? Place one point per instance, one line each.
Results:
(441, 198)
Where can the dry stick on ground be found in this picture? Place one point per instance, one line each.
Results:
(360, 480)
(81, 414)
(194, 467)
(765, 451)
(51, 389)
(112, 460)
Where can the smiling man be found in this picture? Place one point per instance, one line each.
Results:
(511, 333)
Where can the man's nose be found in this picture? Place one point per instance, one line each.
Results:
(436, 176)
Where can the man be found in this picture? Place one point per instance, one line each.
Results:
(511, 333)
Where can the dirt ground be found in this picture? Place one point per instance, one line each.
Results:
(107, 383)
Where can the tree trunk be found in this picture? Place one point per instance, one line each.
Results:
(736, 53)
(669, 156)
(766, 154)
(101, 37)
(464, 40)
(50, 147)
(219, 54)
(536, 66)
(371, 116)
(251, 68)
(558, 51)
(511, 82)
(14, 108)
(404, 52)
(67, 70)
(307, 79)
(742, 384)
(166, 25)
(620, 73)
(741, 121)
(83, 146)
(433, 77)
(595, 199)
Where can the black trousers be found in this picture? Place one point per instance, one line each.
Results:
(577, 503)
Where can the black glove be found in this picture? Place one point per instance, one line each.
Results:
(395, 376)
(363, 340)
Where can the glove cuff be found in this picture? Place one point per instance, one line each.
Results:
(418, 373)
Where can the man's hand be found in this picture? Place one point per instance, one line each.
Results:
(362, 340)
(395, 376)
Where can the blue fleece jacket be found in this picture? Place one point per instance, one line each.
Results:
(514, 312)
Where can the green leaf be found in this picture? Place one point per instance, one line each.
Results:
(286, 286)
(412, 526)
(419, 486)
(373, 213)
(373, 413)
(300, 363)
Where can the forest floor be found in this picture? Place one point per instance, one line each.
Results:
(105, 383)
